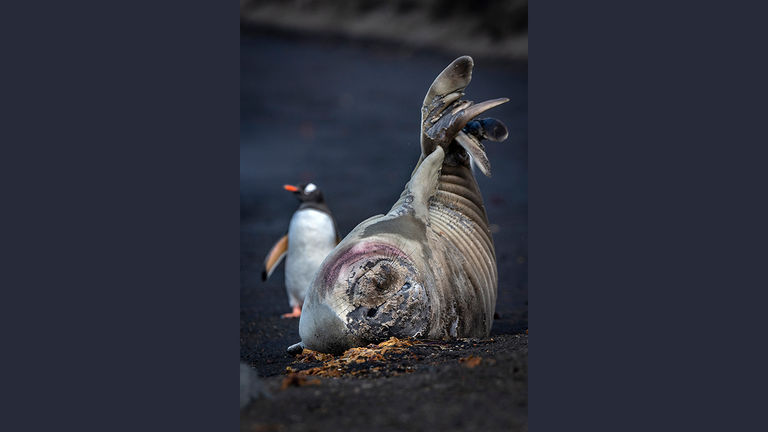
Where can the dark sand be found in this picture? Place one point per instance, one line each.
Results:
(346, 116)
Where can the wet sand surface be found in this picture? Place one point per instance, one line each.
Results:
(345, 116)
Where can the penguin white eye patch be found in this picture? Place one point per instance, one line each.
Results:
(310, 188)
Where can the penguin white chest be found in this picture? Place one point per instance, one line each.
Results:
(311, 236)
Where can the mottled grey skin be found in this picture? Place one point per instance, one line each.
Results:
(426, 269)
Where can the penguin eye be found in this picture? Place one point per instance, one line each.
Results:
(310, 188)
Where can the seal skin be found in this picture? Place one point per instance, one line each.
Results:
(427, 268)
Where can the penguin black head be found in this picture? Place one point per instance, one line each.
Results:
(306, 193)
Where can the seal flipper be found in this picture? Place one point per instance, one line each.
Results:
(274, 257)
(487, 129)
(441, 129)
(423, 184)
(443, 113)
(448, 86)
(476, 150)
(296, 348)
(481, 129)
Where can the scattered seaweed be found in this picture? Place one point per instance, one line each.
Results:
(389, 358)
(471, 361)
(385, 358)
(297, 380)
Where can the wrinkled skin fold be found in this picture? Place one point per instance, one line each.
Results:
(427, 268)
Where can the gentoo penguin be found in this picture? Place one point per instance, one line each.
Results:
(428, 267)
(311, 235)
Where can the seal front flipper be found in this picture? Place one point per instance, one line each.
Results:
(275, 255)
(423, 185)
(296, 348)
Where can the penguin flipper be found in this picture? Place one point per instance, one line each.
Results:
(275, 255)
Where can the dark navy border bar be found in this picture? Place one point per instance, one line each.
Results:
(647, 129)
(121, 146)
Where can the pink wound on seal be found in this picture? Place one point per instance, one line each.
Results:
(353, 255)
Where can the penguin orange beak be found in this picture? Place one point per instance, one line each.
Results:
(290, 188)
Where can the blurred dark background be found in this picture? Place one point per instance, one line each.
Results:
(344, 111)
(491, 28)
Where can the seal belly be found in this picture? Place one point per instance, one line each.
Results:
(460, 227)
(311, 236)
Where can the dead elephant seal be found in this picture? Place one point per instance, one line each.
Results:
(428, 267)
